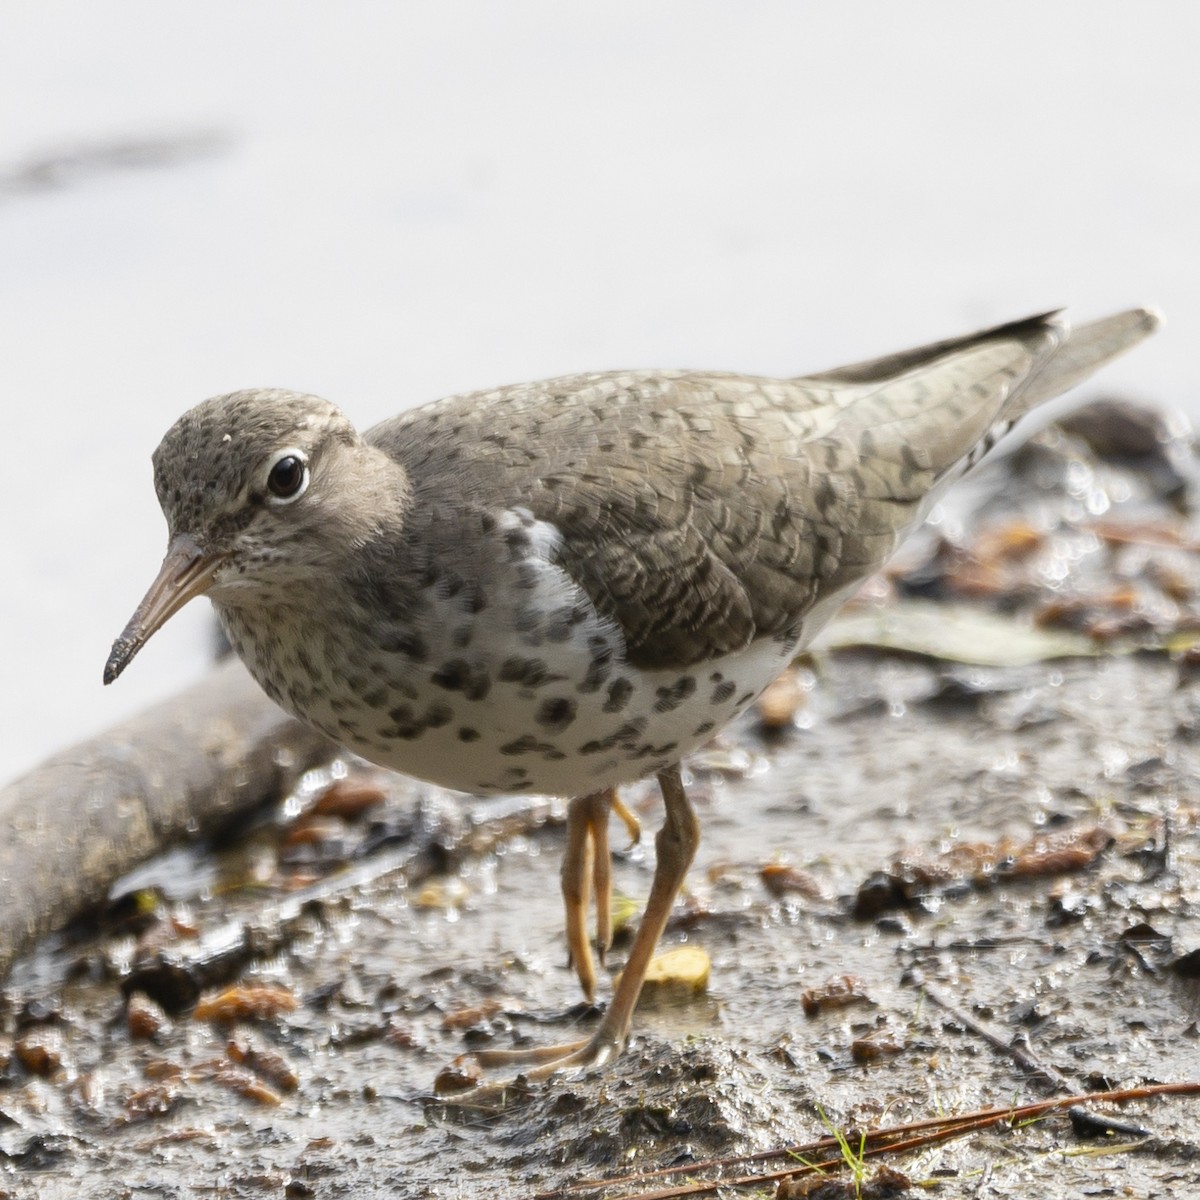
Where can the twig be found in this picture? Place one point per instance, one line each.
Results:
(897, 1139)
(1018, 1051)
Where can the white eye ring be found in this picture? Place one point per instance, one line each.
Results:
(287, 476)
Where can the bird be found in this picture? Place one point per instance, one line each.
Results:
(566, 586)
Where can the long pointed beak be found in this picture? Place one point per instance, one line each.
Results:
(186, 571)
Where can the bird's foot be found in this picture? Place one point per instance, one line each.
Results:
(588, 823)
(533, 1064)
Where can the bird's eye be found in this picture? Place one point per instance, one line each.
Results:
(288, 476)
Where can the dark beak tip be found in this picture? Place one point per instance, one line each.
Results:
(119, 657)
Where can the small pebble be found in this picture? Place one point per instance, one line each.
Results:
(778, 705)
(144, 1018)
(41, 1050)
(464, 1072)
(684, 967)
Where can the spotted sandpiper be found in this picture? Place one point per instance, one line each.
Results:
(562, 587)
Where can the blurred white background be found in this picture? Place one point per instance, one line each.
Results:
(385, 202)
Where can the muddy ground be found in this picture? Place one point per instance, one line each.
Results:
(990, 825)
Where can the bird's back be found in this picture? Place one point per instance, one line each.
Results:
(702, 510)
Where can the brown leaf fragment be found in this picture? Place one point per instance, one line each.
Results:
(1144, 533)
(246, 1002)
(468, 1018)
(267, 1064)
(162, 1068)
(782, 879)
(464, 1072)
(312, 830)
(1058, 853)
(1007, 542)
(876, 1044)
(349, 799)
(157, 1100)
(834, 993)
(246, 1085)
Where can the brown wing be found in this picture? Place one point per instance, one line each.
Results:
(700, 511)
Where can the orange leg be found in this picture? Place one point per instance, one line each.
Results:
(587, 873)
(676, 847)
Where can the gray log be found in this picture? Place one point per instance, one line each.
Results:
(86, 816)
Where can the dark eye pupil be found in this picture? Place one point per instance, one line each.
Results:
(286, 477)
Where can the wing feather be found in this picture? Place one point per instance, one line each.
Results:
(702, 511)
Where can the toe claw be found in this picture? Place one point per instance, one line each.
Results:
(629, 819)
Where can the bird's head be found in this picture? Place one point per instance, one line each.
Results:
(258, 487)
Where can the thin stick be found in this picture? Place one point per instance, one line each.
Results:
(894, 1140)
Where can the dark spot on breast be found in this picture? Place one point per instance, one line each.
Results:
(376, 698)
(528, 672)
(629, 732)
(401, 714)
(452, 675)
(556, 714)
(558, 629)
(526, 620)
(745, 698)
(619, 692)
(631, 729)
(406, 730)
(528, 744)
(599, 668)
(670, 698)
(459, 675)
(466, 734)
(703, 728)
(648, 750)
(437, 715)
(723, 691)
(461, 637)
(521, 745)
